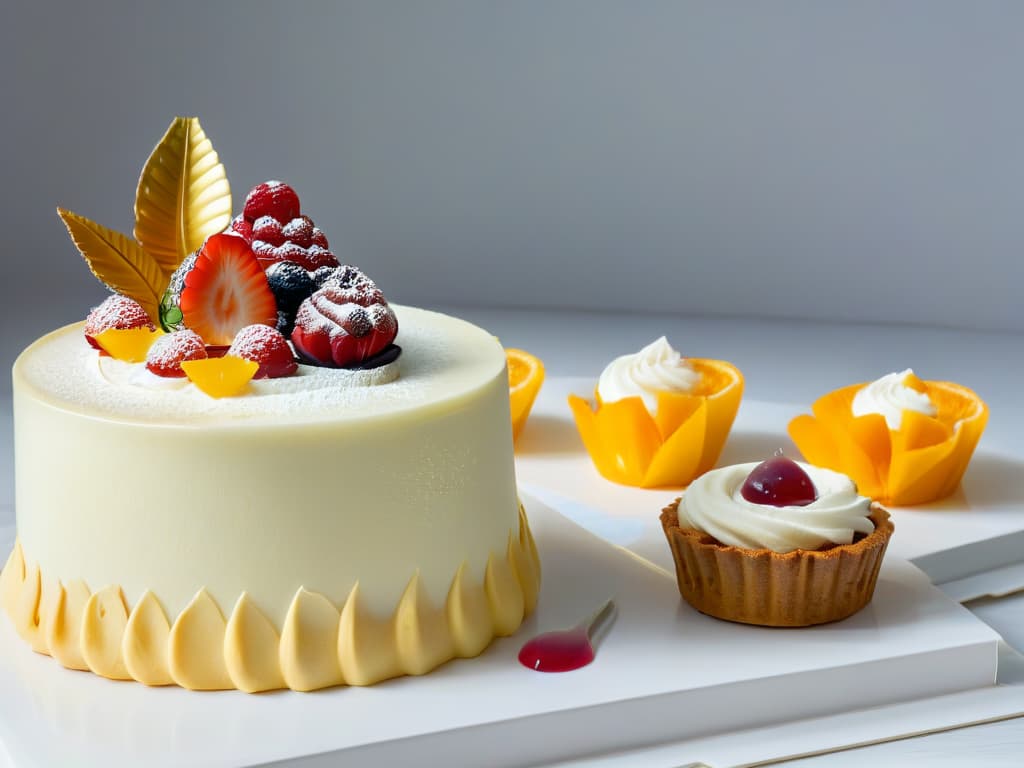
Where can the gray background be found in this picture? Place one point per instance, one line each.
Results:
(812, 160)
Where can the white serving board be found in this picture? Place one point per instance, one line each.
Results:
(978, 529)
(663, 673)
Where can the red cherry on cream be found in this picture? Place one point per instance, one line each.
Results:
(780, 482)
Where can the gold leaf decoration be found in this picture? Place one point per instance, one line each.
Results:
(118, 261)
(183, 195)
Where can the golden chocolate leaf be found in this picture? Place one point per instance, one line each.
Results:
(118, 261)
(183, 195)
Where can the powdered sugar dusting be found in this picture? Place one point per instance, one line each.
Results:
(442, 358)
(117, 311)
(168, 352)
(256, 342)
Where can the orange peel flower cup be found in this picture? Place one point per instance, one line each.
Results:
(681, 441)
(922, 460)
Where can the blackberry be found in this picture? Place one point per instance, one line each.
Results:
(285, 323)
(322, 275)
(290, 284)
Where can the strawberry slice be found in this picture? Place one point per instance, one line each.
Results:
(225, 291)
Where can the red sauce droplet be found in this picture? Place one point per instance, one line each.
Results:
(780, 482)
(561, 651)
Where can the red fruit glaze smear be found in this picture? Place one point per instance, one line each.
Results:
(779, 482)
(267, 347)
(117, 312)
(170, 351)
(561, 651)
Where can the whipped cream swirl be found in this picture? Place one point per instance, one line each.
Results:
(890, 396)
(655, 368)
(715, 505)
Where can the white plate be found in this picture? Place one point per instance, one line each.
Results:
(663, 673)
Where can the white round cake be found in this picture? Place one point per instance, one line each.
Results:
(330, 527)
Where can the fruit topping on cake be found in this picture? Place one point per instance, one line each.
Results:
(291, 284)
(219, 292)
(779, 482)
(344, 323)
(118, 312)
(220, 376)
(169, 351)
(210, 281)
(266, 347)
(272, 224)
(129, 345)
(271, 198)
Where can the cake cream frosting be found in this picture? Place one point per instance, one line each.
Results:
(333, 526)
(715, 505)
(892, 395)
(655, 368)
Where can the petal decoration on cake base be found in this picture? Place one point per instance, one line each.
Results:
(682, 441)
(318, 647)
(924, 460)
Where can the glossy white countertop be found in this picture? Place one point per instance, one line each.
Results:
(786, 362)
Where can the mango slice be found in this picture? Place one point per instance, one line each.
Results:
(130, 345)
(220, 376)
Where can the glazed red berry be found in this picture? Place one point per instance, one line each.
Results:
(266, 346)
(171, 350)
(117, 312)
(779, 482)
(318, 238)
(271, 198)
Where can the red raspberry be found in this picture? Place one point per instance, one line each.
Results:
(274, 228)
(118, 312)
(311, 258)
(170, 351)
(265, 253)
(317, 257)
(271, 198)
(342, 326)
(266, 346)
(268, 229)
(299, 230)
(241, 227)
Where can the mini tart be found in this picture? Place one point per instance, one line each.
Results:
(924, 460)
(684, 440)
(758, 586)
